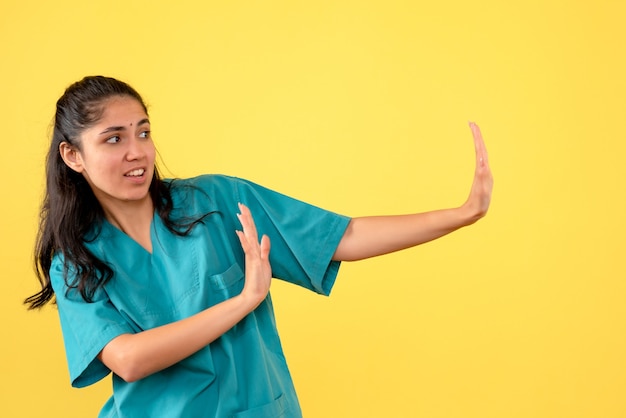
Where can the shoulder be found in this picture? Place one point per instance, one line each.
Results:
(212, 184)
(207, 192)
(205, 182)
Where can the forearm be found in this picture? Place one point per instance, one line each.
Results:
(376, 235)
(135, 356)
(371, 236)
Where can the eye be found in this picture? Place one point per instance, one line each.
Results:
(113, 139)
(144, 134)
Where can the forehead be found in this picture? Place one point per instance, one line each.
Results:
(121, 110)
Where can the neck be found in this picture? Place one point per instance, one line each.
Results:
(132, 218)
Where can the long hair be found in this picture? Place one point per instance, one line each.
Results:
(70, 213)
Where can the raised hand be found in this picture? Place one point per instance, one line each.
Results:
(258, 270)
(479, 198)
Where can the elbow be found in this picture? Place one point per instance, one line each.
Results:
(129, 366)
(123, 361)
(129, 373)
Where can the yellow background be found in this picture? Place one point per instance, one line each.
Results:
(362, 107)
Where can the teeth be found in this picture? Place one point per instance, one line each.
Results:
(136, 173)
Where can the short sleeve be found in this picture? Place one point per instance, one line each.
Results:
(86, 326)
(303, 237)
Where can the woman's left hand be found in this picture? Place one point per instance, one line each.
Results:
(376, 235)
(479, 199)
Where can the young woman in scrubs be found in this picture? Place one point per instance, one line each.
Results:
(165, 283)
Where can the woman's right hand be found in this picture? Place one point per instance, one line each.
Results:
(135, 356)
(258, 270)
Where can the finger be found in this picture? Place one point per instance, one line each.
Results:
(265, 247)
(249, 227)
(479, 145)
(250, 247)
(477, 135)
(245, 245)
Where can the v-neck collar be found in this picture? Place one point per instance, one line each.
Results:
(119, 237)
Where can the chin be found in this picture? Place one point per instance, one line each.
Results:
(135, 197)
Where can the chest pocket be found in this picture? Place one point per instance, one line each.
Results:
(225, 285)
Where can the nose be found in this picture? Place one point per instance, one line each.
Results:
(135, 150)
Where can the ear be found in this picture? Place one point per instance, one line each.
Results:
(71, 156)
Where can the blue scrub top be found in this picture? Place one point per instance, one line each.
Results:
(243, 373)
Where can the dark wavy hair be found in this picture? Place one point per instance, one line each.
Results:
(70, 211)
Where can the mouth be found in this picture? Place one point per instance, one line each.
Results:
(135, 173)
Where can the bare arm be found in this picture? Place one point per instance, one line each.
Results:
(371, 236)
(134, 356)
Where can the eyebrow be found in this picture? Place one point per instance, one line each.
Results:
(123, 128)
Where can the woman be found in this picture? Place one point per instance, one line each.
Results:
(159, 282)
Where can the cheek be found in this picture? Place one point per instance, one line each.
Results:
(151, 154)
(98, 164)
